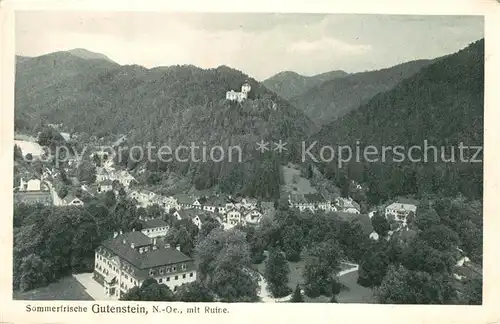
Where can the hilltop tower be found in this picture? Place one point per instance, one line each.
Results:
(245, 88)
(239, 96)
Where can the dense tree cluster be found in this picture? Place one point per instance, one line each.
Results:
(437, 110)
(420, 268)
(223, 259)
(52, 242)
(276, 273)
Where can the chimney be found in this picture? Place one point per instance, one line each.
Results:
(115, 234)
(178, 247)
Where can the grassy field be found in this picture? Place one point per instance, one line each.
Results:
(65, 289)
(294, 183)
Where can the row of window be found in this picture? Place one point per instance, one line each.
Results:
(176, 277)
(157, 229)
(168, 269)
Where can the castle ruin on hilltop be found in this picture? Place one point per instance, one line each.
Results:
(239, 96)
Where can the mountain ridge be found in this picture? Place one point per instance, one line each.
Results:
(289, 83)
(336, 97)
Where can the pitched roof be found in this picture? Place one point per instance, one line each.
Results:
(409, 201)
(314, 198)
(184, 199)
(297, 199)
(188, 213)
(153, 223)
(215, 201)
(121, 246)
(28, 197)
(70, 197)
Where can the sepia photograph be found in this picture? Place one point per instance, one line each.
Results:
(218, 157)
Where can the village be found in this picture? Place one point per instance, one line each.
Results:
(128, 258)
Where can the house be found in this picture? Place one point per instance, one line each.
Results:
(319, 202)
(144, 198)
(215, 204)
(253, 217)
(312, 202)
(124, 177)
(348, 205)
(127, 259)
(106, 185)
(72, 200)
(196, 203)
(185, 201)
(33, 191)
(32, 185)
(33, 197)
(101, 174)
(168, 203)
(299, 202)
(400, 210)
(134, 195)
(233, 217)
(154, 227)
(196, 216)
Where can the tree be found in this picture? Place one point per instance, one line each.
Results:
(276, 273)
(223, 259)
(33, 270)
(62, 191)
(297, 295)
(380, 224)
(208, 225)
(194, 292)
(150, 290)
(373, 268)
(292, 242)
(421, 256)
(441, 238)
(403, 286)
(18, 154)
(322, 265)
(86, 172)
(28, 157)
(426, 217)
(472, 293)
(109, 199)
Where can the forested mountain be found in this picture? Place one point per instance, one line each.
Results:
(290, 84)
(166, 106)
(21, 59)
(88, 55)
(336, 97)
(443, 105)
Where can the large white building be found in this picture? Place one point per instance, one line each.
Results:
(400, 210)
(127, 259)
(239, 96)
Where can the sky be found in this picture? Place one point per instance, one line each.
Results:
(258, 44)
